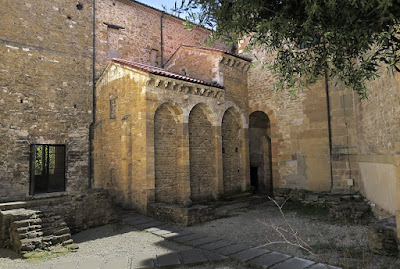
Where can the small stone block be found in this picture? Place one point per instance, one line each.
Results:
(232, 249)
(117, 263)
(161, 232)
(214, 257)
(193, 257)
(189, 237)
(295, 263)
(265, 261)
(67, 265)
(144, 264)
(169, 235)
(152, 229)
(216, 245)
(249, 254)
(91, 264)
(324, 266)
(179, 234)
(202, 241)
(170, 259)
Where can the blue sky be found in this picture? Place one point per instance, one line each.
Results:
(159, 3)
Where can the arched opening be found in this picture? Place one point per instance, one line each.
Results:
(260, 152)
(166, 154)
(203, 182)
(231, 151)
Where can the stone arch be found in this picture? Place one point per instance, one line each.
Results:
(202, 154)
(260, 152)
(166, 153)
(232, 151)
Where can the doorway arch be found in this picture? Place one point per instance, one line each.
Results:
(260, 153)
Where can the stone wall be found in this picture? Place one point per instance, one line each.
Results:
(299, 131)
(137, 29)
(166, 142)
(46, 89)
(231, 152)
(202, 144)
(365, 136)
(120, 142)
(165, 155)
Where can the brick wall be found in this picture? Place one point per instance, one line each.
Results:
(165, 155)
(46, 89)
(202, 156)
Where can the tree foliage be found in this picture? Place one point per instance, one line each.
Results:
(346, 39)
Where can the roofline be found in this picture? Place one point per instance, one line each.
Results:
(169, 14)
(209, 49)
(160, 72)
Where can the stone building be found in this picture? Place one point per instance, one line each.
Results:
(170, 121)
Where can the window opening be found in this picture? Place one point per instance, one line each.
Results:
(113, 108)
(48, 168)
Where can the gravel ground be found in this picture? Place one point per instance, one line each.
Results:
(341, 245)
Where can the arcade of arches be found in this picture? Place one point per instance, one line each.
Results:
(204, 154)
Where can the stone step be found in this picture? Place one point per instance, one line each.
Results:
(26, 229)
(68, 242)
(32, 234)
(27, 222)
(30, 244)
(57, 239)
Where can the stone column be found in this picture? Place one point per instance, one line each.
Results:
(184, 165)
(218, 162)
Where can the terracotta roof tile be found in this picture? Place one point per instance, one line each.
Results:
(162, 72)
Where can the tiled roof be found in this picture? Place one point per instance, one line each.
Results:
(219, 50)
(162, 72)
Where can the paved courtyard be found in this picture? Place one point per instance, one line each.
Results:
(138, 241)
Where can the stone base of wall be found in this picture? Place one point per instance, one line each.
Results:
(184, 216)
(382, 237)
(80, 212)
(352, 208)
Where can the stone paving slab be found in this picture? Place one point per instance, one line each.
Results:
(193, 257)
(152, 229)
(294, 263)
(202, 241)
(144, 264)
(324, 266)
(166, 236)
(249, 254)
(232, 249)
(91, 264)
(270, 259)
(188, 238)
(68, 265)
(168, 260)
(179, 234)
(161, 232)
(214, 257)
(117, 263)
(216, 245)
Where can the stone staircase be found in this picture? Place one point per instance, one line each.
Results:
(27, 229)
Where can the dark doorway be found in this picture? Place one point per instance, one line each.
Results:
(260, 153)
(254, 178)
(47, 168)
